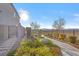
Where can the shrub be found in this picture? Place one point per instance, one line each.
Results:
(36, 48)
(72, 39)
(37, 43)
(77, 41)
(11, 53)
(62, 36)
(22, 50)
(55, 35)
(43, 51)
(29, 43)
(27, 51)
(48, 43)
(56, 51)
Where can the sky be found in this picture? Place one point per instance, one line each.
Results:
(46, 13)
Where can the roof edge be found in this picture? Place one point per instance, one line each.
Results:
(14, 9)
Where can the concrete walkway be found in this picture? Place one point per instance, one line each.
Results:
(7, 45)
(66, 49)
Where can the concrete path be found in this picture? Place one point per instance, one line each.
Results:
(7, 45)
(66, 49)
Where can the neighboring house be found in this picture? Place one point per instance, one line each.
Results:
(11, 31)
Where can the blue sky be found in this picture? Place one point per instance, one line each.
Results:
(45, 14)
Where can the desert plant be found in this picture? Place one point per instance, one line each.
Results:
(37, 43)
(27, 51)
(72, 39)
(56, 51)
(29, 43)
(43, 51)
(59, 24)
(48, 43)
(22, 50)
(62, 36)
(30, 48)
(55, 35)
(11, 53)
(36, 48)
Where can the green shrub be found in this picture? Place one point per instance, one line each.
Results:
(48, 43)
(62, 36)
(37, 43)
(22, 50)
(72, 39)
(56, 51)
(55, 35)
(43, 51)
(36, 48)
(29, 43)
(11, 53)
(27, 51)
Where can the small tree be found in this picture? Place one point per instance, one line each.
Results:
(59, 24)
(35, 26)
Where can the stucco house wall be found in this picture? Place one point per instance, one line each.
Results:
(11, 31)
(8, 16)
(9, 22)
(21, 31)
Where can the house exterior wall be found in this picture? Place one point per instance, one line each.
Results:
(6, 32)
(8, 15)
(3, 32)
(9, 22)
(21, 31)
(12, 31)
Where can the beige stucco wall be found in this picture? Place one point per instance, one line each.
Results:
(7, 15)
(3, 32)
(9, 22)
(12, 31)
(21, 31)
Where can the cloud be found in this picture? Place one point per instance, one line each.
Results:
(71, 26)
(24, 14)
(76, 19)
(61, 11)
(77, 15)
(42, 26)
